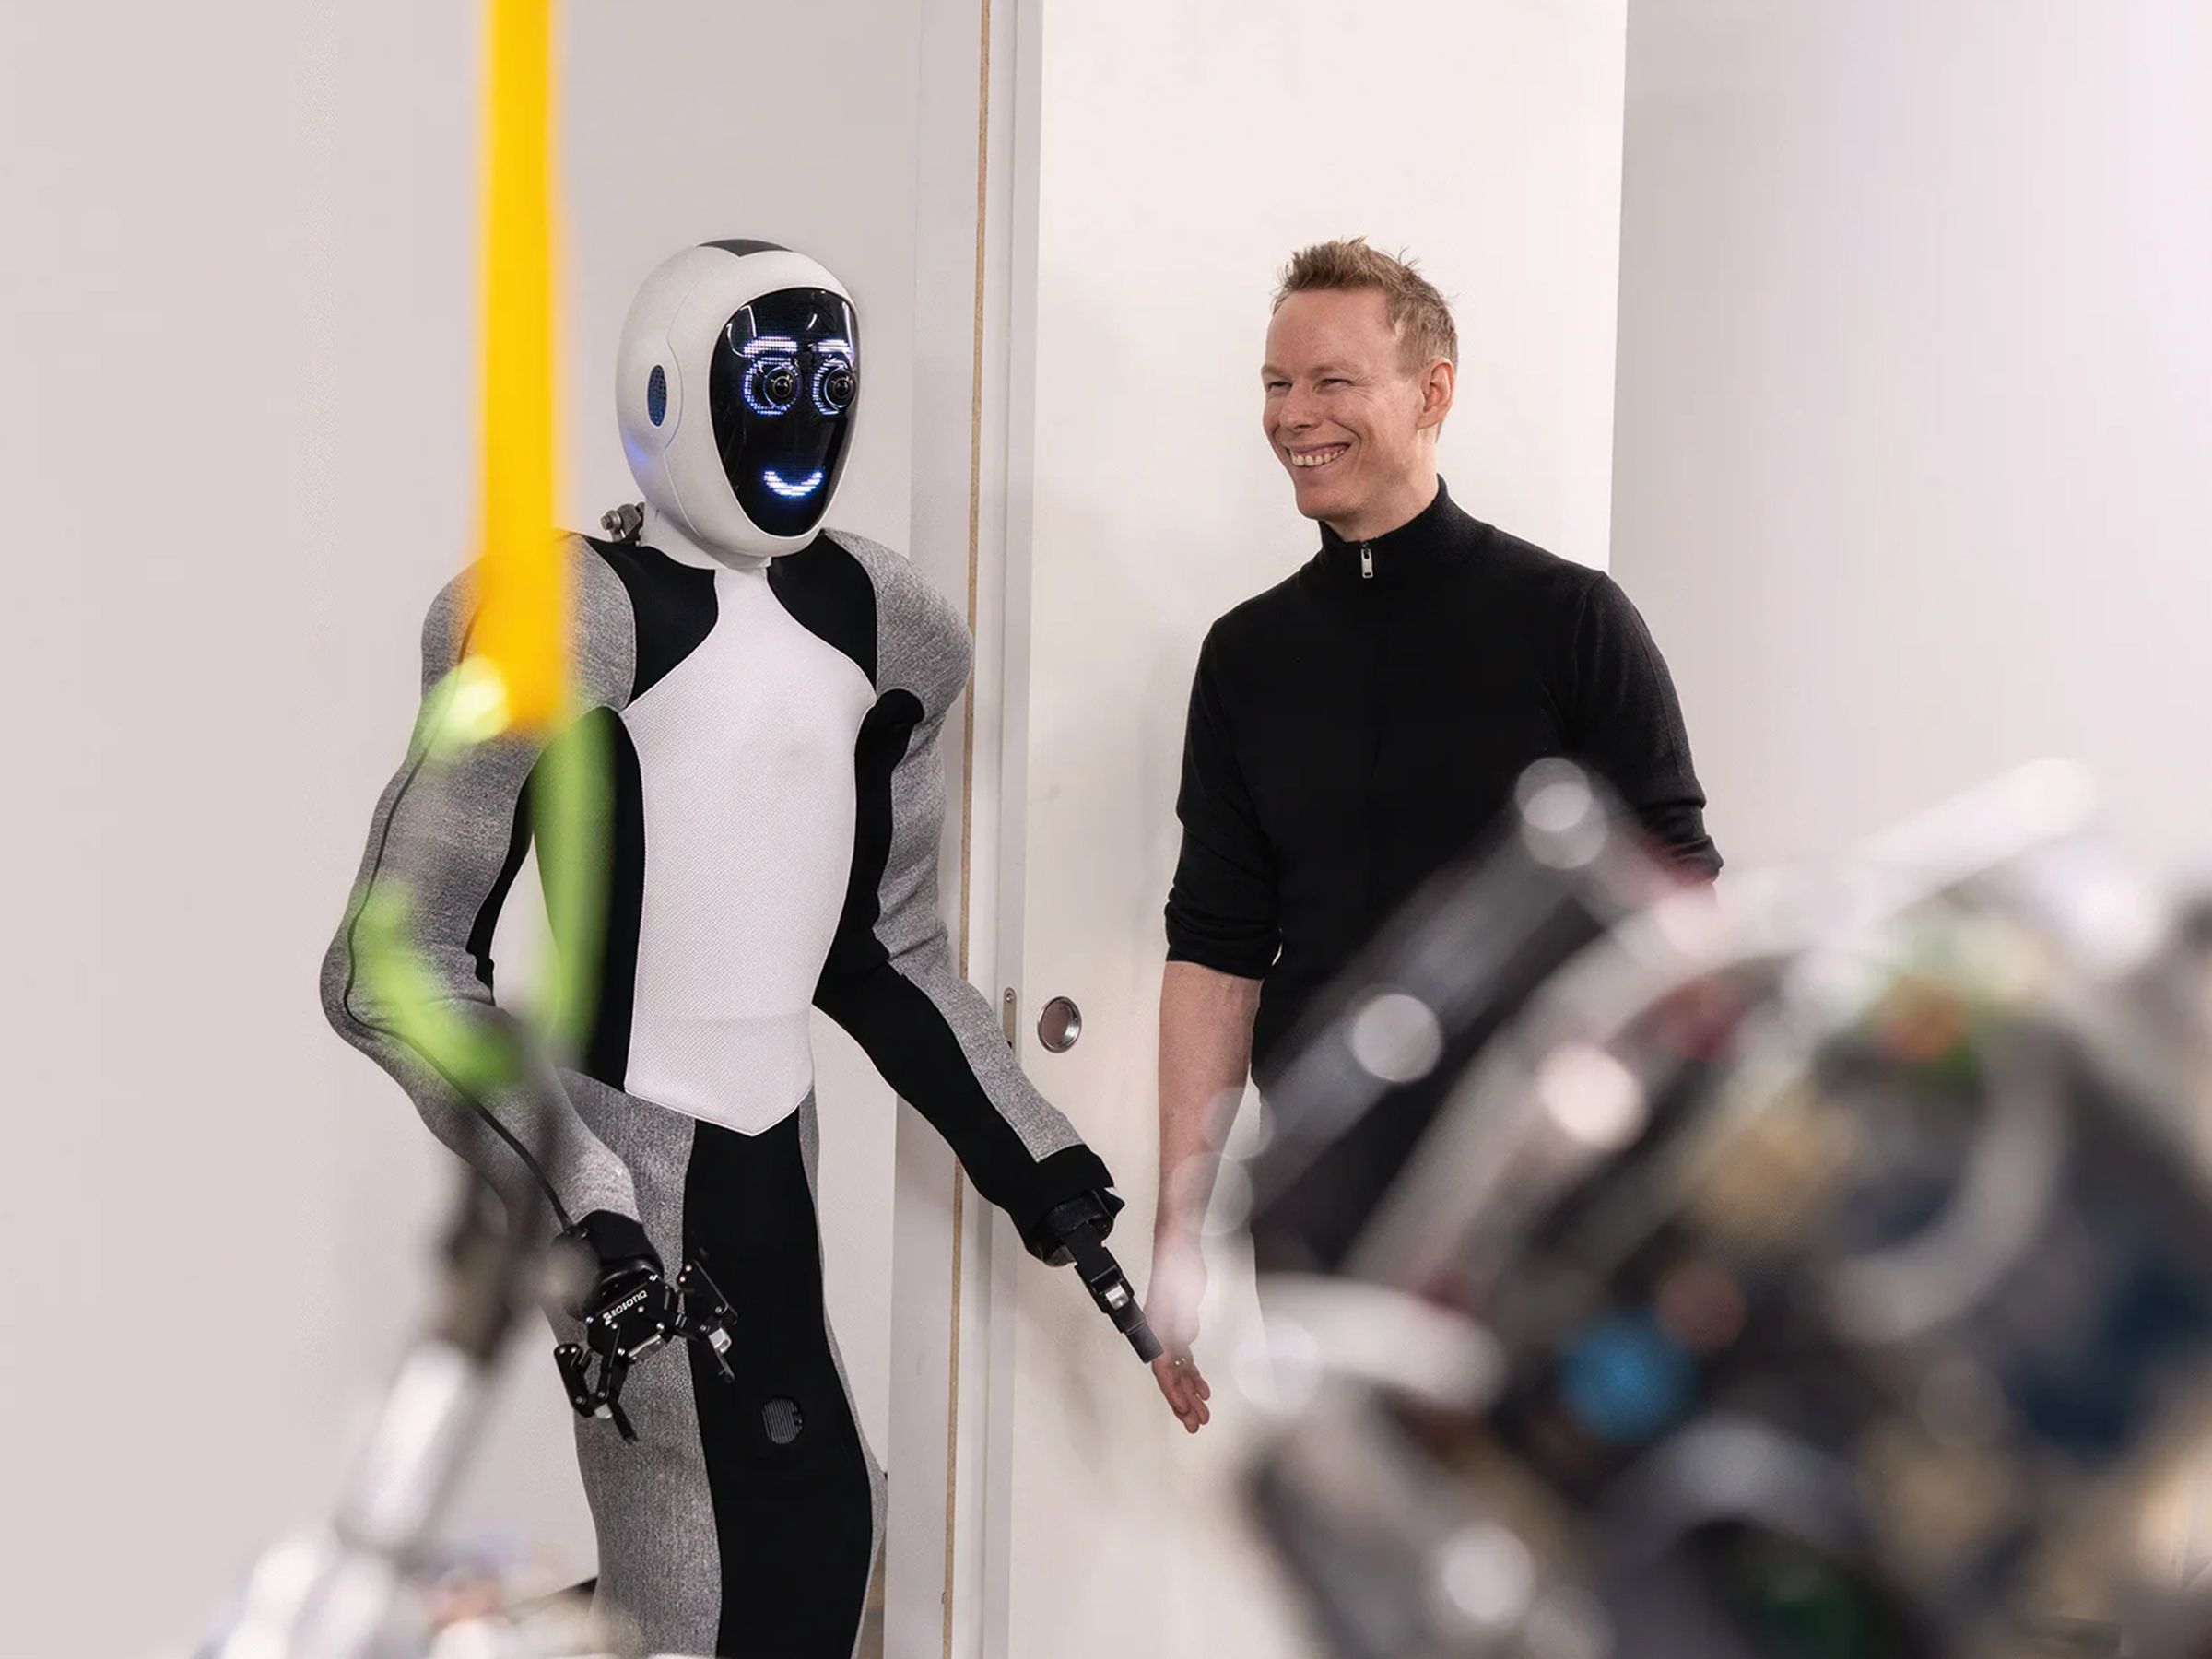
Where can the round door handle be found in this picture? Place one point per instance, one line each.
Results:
(1059, 1025)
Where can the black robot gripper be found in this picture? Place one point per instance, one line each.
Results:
(646, 1315)
(1080, 1225)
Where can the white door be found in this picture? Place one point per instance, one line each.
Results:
(1176, 153)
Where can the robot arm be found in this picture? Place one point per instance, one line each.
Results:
(890, 979)
(1081, 1225)
(444, 846)
(938, 1042)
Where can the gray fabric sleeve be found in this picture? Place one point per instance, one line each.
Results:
(890, 979)
(448, 838)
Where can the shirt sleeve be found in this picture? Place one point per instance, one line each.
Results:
(1223, 908)
(1624, 723)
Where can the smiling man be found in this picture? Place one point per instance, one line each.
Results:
(1361, 724)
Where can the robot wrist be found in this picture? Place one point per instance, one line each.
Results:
(1088, 1213)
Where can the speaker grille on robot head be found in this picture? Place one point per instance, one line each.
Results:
(656, 395)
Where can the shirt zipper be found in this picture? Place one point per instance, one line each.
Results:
(1367, 561)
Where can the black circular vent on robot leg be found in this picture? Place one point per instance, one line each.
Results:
(782, 1420)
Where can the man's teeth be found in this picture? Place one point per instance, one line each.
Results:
(1319, 457)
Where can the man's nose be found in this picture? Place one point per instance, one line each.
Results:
(1295, 412)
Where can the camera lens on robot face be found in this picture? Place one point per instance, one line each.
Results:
(836, 388)
(773, 387)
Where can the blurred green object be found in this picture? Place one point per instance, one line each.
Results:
(573, 818)
(475, 1057)
(571, 824)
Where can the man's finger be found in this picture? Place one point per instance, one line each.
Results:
(1194, 1401)
(1179, 1402)
(1184, 1390)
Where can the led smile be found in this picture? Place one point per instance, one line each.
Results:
(792, 492)
(1310, 460)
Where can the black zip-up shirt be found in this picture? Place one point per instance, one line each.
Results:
(1357, 727)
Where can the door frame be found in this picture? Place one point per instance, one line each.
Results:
(948, 1531)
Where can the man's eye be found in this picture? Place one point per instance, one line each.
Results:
(1332, 381)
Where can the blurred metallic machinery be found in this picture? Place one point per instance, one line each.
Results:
(1818, 1268)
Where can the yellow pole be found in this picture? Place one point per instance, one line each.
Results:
(521, 622)
(515, 679)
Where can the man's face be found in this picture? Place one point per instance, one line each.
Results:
(1343, 413)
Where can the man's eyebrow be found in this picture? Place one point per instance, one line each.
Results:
(1274, 371)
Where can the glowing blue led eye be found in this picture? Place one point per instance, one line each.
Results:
(770, 386)
(792, 492)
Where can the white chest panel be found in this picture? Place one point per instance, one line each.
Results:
(745, 753)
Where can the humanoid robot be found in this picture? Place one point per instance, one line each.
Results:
(769, 693)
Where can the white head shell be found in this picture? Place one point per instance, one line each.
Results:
(737, 384)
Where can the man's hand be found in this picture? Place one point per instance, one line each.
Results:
(1184, 1389)
(1171, 1309)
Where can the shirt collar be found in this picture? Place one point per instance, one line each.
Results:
(1423, 542)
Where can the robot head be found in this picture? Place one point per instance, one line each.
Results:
(737, 384)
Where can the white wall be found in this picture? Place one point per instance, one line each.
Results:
(1182, 151)
(1915, 401)
(237, 329)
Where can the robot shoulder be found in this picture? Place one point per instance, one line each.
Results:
(921, 641)
(602, 626)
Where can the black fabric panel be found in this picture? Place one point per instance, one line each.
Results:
(903, 1032)
(673, 605)
(488, 913)
(793, 1520)
(741, 247)
(606, 1050)
(911, 1044)
(828, 594)
(885, 732)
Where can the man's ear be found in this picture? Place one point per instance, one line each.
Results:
(1439, 382)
